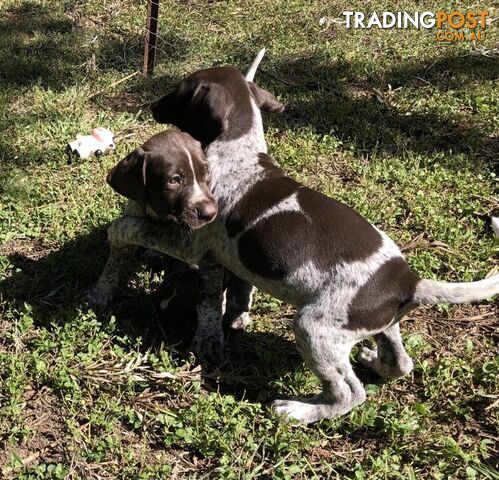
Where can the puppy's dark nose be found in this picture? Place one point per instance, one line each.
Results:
(207, 211)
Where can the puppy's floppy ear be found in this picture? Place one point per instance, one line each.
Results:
(168, 107)
(265, 100)
(128, 177)
(206, 115)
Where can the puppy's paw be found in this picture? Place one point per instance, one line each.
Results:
(313, 409)
(208, 347)
(98, 299)
(368, 356)
(398, 367)
(238, 323)
(296, 410)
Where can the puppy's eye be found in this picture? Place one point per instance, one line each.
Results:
(175, 180)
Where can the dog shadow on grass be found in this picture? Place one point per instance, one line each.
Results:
(54, 282)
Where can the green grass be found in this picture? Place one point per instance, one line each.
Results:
(401, 127)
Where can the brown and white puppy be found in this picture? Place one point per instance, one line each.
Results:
(347, 279)
(168, 176)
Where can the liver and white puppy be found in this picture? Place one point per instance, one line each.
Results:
(167, 178)
(347, 279)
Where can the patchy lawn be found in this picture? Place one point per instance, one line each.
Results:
(403, 128)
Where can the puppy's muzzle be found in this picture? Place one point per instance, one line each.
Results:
(199, 214)
(207, 211)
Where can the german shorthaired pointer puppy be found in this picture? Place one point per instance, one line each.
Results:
(167, 179)
(346, 278)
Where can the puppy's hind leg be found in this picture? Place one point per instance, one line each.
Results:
(389, 359)
(325, 348)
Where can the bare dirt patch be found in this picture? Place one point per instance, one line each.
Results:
(45, 444)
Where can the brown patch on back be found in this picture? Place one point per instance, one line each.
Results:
(379, 300)
(325, 231)
(264, 195)
(347, 235)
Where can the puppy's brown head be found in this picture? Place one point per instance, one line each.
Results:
(169, 176)
(213, 101)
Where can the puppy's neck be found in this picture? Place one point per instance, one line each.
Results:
(234, 161)
(228, 151)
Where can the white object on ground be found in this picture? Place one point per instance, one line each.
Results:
(99, 142)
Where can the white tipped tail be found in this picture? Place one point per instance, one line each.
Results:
(254, 66)
(430, 292)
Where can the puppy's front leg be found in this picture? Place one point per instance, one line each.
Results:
(168, 238)
(208, 341)
(120, 265)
